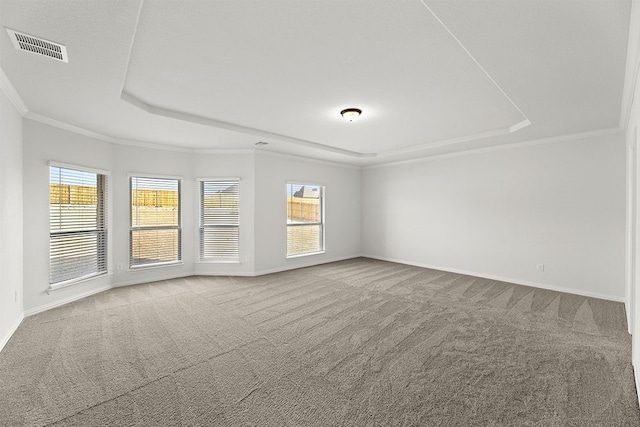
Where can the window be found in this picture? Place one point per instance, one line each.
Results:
(77, 224)
(305, 219)
(219, 220)
(155, 233)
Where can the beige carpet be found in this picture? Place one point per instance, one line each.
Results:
(353, 343)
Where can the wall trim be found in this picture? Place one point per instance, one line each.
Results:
(635, 365)
(66, 126)
(10, 91)
(13, 329)
(457, 140)
(310, 264)
(151, 145)
(307, 159)
(132, 282)
(504, 279)
(224, 150)
(220, 124)
(506, 146)
(54, 304)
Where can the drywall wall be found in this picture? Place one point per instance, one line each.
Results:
(11, 222)
(262, 206)
(42, 144)
(499, 214)
(631, 97)
(342, 210)
(152, 163)
(229, 165)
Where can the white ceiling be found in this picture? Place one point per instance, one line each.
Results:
(430, 76)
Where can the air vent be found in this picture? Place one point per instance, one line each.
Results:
(38, 46)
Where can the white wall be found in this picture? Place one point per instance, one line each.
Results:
(499, 214)
(342, 210)
(262, 207)
(41, 144)
(632, 95)
(10, 219)
(150, 162)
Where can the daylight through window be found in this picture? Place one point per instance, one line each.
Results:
(305, 219)
(219, 220)
(155, 233)
(77, 224)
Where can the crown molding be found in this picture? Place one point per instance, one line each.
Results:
(66, 126)
(151, 145)
(12, 94)
(507, 146)
(224, 150)
(314, 160)
(457, 140)
(192, 118)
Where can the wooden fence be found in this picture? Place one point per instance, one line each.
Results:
(303, 209)
(66, 194)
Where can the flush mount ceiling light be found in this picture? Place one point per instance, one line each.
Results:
(351, 114)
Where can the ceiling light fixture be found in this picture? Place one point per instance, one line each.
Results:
(351, 114)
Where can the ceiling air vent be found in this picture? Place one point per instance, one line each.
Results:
(38, 46)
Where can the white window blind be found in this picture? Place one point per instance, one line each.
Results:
(305, 219)
(77, 224)
(155, 232)
(219, 220)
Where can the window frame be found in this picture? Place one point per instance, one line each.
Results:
(215, 260)
(178, 227)
(106, 218)
(322, 223)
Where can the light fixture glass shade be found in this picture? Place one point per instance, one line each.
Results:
(351, 114)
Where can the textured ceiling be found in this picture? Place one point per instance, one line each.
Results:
(430, 77)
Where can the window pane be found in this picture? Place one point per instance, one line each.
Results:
(304, 239)
(77, 224)
(303, 204)
(305, 230)
(76, 255)
(154, 202)
(155, 221)
(219, 243)
(154, 246)
(220, 202)
(219, 219)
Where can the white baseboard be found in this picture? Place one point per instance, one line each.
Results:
(505, 279)
(636, 374)
(6, 338)
(49, 306)
(309, 264)
(137, 281)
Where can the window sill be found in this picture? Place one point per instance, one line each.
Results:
(305, 254)
(218, 261)
(72, 282)
(155, 265)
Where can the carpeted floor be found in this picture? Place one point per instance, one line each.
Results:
(353, 343)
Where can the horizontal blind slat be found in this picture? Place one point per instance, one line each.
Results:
(219, 219)
(77, 224)
(155, 232)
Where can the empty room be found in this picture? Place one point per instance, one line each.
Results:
(319, 213)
